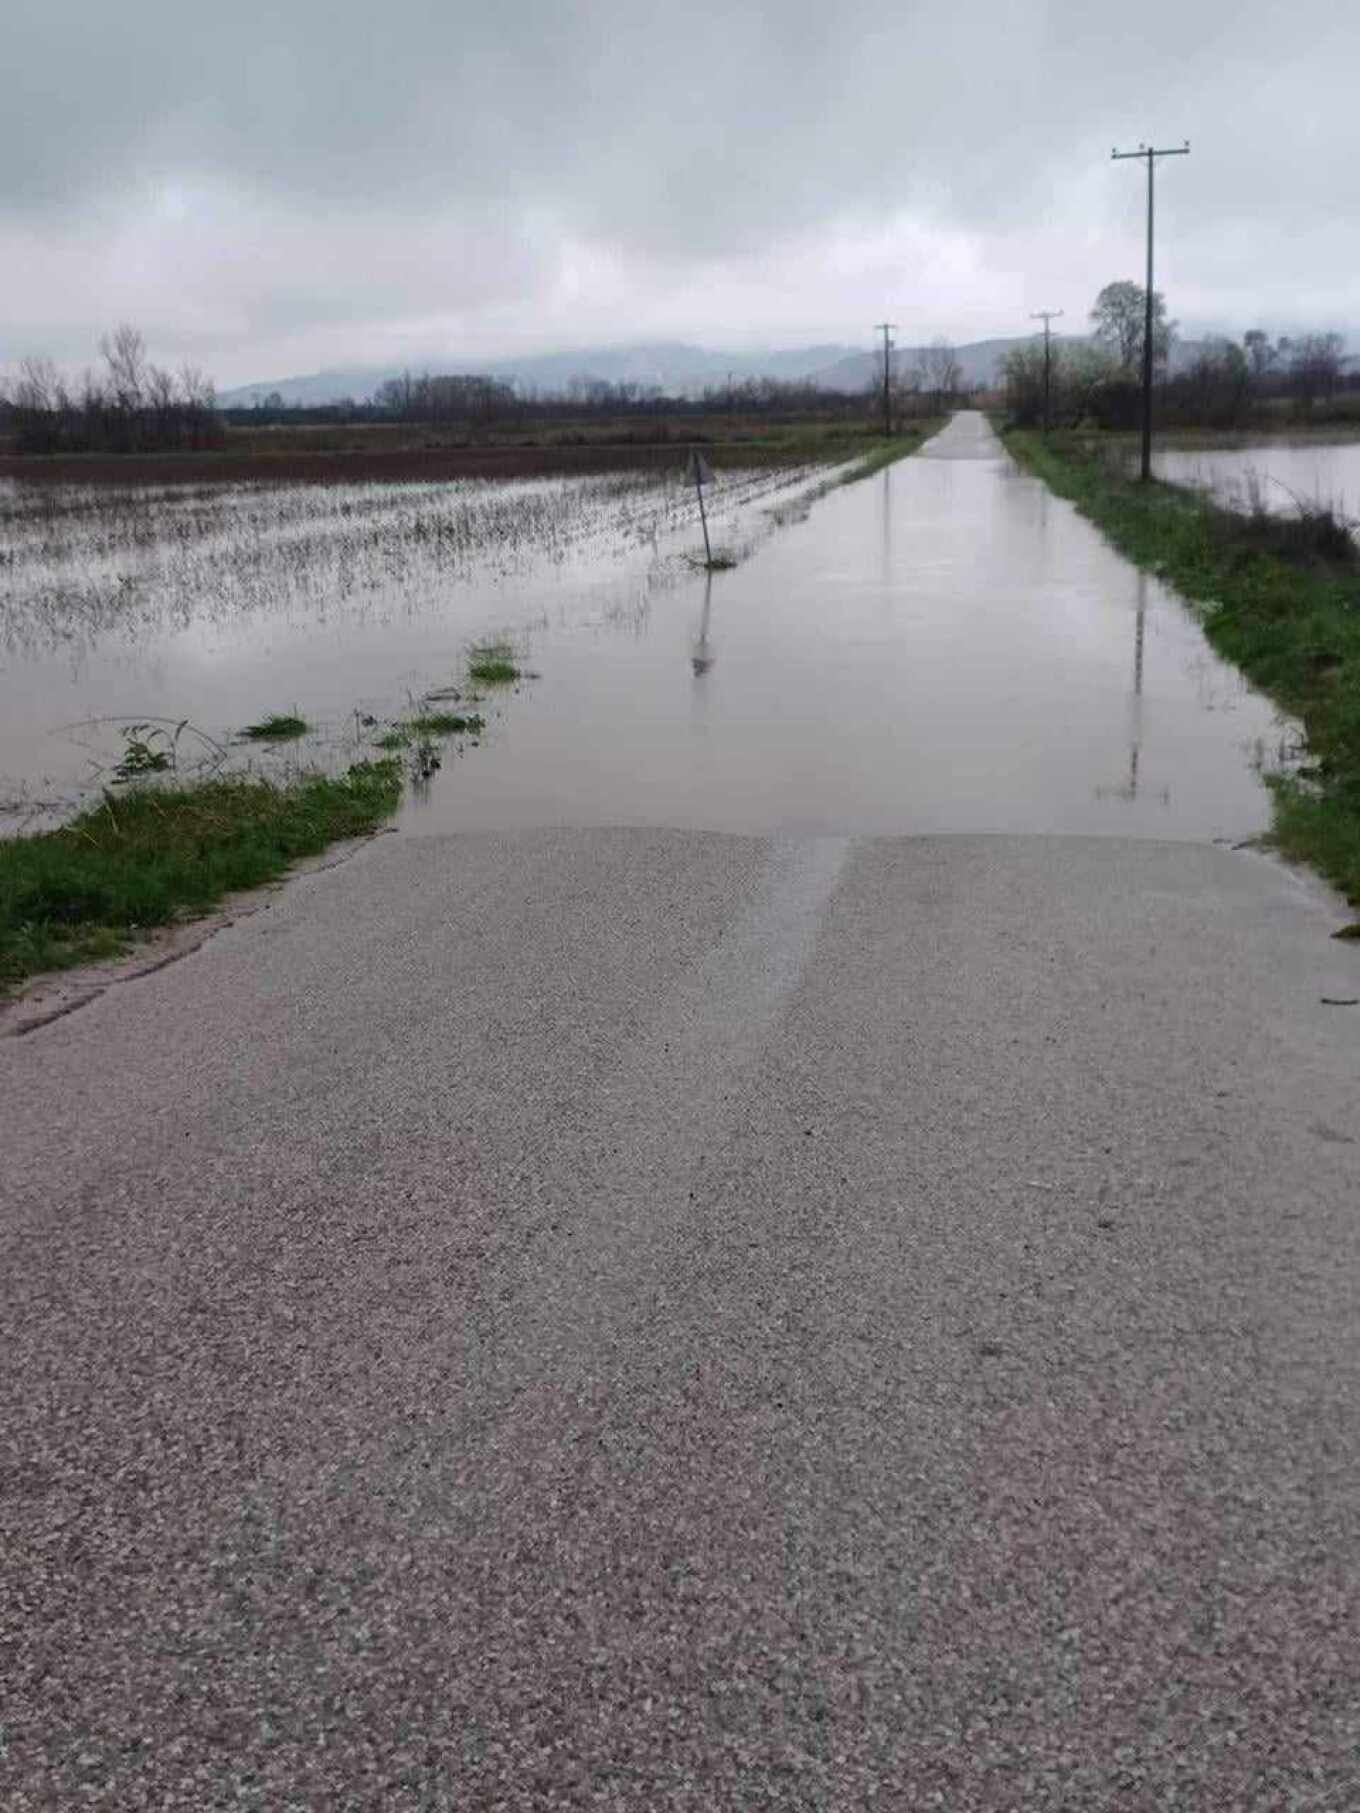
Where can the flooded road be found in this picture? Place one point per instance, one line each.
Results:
(942, 647)
(650, 1318)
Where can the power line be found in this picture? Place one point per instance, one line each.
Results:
(885, 328)
(1046, 315)
(1151, 154)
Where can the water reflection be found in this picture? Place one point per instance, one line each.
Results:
(944, 647)
(703, 655)
(1277, 475)
(220, 603)
(885, 505)
(1128, 789)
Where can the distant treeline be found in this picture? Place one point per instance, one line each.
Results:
(479, 401)
(127, 406)
(1226, 384)
(130, 405)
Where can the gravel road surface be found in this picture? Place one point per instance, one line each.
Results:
(662, 1320)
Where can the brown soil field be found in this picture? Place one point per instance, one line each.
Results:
(394, 454)
(400, 466)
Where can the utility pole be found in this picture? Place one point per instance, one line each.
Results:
(1151, 154)
(1046, 315)
(885, 328)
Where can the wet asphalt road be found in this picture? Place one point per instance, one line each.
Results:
(659, 1320)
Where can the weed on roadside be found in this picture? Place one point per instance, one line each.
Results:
(160, 854)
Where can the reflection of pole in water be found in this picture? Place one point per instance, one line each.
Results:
(1136, 714)
(1129, 791)
(703, 656)
(887, 523)
(1138, 636)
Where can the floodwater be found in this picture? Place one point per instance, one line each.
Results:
(1282, 474)
(942, 647)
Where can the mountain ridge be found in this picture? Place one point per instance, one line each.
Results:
(676, 367)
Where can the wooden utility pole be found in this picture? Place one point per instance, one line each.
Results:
(1151, 154)
(699, 473)
(885, 328)
(1046, 315)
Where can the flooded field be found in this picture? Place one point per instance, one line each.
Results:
(944, 646)
(1282, 474)
(187, 613)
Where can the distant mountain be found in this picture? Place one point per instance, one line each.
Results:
(673, 366)
(311, 392)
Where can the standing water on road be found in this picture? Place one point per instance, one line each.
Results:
(942, 647)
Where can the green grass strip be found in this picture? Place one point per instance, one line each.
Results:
(161, 854)
(1279, 596)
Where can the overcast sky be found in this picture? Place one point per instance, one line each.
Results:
(273, 186)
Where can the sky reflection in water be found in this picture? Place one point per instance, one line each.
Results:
(942, 647)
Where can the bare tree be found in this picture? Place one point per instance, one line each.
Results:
(1117, 319)
(130, 405)
(124, 352)
(1217, 387)
(1022, 373)
(1262, 357)
(1085, 372)
(1315, 363)
(940, 371)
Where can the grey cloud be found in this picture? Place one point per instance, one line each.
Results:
(680, 133)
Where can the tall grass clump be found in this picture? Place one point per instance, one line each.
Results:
(161, 854)
(278, 727)
(493, 664)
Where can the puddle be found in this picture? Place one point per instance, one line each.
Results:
(943, 647)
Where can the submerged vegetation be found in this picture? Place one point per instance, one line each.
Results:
(1280, 596)
(447, 724)
(168, 827)
(161, 854)
(172, 847)
(493, 664)
(278, 727)
(407, 731)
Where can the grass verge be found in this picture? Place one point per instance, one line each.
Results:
(1280, 597)
(165, 854)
